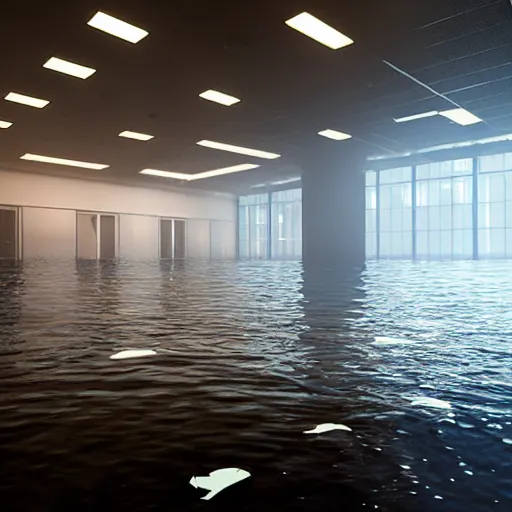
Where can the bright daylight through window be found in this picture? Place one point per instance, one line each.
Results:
(462, 210)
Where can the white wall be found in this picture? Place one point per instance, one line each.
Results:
(223, 240)
(50, 204)
(23, 189)
(198, 239)
(48, 233)
(138, 237)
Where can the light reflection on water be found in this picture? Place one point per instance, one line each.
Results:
(249, 356)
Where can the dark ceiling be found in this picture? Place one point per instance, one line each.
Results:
(291, 87)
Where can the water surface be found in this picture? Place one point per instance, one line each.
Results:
(249, 355)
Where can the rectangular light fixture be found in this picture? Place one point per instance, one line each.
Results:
(219, 97)
(117, 28)
(335, 135)
(201, 175)
(319, 31)
(237, 149)
(69, 68)
(26, 100)
(62, 161)
(285, 182)
(166, 174)
(225, 170)
(414, 117)
(460, 116)
(5, 124)
(136, 136)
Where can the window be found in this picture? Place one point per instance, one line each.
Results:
(495, 206)
(253, 226)
(371, 215)
(395, 213)
(287, 224)
(444, 219)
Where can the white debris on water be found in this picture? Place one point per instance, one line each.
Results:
(384, 340)
(435, 403)
(219, 480)
(327, 427)
(132, 354)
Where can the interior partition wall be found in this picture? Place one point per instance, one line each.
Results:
(456, 209)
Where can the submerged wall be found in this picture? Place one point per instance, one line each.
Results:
(48, 206)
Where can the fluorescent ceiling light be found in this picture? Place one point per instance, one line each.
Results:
(5, 124)
(416, 116)
(201, 175)
(284, 182)
(136, 136)
(333, 134)
(117, 28)
(166, 174)
(319, 31)
(68, 68)
(461, 116)
(225, 170)
(219, 97)
(63, 161)
(237, 149)
(26, 100)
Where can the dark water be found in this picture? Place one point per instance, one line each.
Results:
(250, 356)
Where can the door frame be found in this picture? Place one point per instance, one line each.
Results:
(98, 231)
(173, 235)
(17, 230)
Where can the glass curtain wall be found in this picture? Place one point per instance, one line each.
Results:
(253, 217)
(270, 225)
(395, 213)
(444, 218)
(287, 224)
(458, 209)
(495, 206)
(371, 215)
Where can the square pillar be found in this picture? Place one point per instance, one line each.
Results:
(333, 210)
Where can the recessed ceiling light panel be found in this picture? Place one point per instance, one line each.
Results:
(5, 124)
(414, 117)
(319, 31)
(69, 68)
(460, 116)
(26, 100)
(201, 175)
(219, 97)
(136, 136)
(117, 28)
(225, 170)
(335, 135)
(237, 149)
(166, 174)
(63, 161)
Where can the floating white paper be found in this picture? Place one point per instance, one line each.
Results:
(431, 402)
(131, 354)
(219, 480)
(384, 340)
(327, 427)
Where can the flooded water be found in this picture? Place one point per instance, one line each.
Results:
(248, 357)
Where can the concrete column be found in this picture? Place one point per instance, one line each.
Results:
(333, 210)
